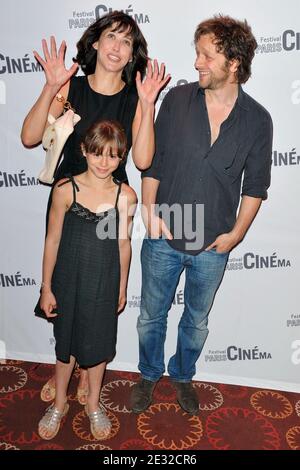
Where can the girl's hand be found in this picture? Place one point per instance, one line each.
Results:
(122, 301)
(54, 64)
(48, 303)
(149, 89)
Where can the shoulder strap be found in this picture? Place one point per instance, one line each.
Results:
(74, 185)
(118, 194)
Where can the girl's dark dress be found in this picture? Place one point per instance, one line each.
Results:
(85, 282)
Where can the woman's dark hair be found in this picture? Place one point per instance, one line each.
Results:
(234, 39)
(87, 55)
(105, 133)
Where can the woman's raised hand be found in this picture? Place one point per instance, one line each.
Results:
(54, 64)
(155, 80)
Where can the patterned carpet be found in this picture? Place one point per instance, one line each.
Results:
(230, 418)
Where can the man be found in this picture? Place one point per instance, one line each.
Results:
(208, 135)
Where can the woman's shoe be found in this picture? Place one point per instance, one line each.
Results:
(50, 423)
(82, 394)
(48, 391)
(99, 423)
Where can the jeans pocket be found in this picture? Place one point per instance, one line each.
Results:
(214, 250)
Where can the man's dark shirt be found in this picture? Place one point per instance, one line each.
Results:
(191, 171)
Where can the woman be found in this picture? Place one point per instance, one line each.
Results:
(113, 55)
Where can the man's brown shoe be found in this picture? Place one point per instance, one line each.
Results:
(187, 397)
(141, 395)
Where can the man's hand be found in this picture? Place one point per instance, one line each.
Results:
(156, 227)
(224, 243)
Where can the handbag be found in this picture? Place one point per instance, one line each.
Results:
(54, 139)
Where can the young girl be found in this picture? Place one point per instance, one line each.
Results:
(85, 270)
(112, 53)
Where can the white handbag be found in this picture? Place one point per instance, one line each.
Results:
(53, 141)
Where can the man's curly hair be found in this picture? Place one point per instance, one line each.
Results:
(234, 39)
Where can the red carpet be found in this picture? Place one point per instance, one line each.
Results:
(230, 418)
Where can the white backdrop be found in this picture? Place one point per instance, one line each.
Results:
(255, 321)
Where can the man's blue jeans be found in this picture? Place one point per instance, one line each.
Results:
(161, 270)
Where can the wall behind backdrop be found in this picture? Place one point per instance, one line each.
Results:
(255, 321)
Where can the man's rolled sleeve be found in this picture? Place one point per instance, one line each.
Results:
(162, 124)
(257, 174)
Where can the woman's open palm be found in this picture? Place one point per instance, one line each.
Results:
(54, 64)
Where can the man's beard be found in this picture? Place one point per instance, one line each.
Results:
(218, 82)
